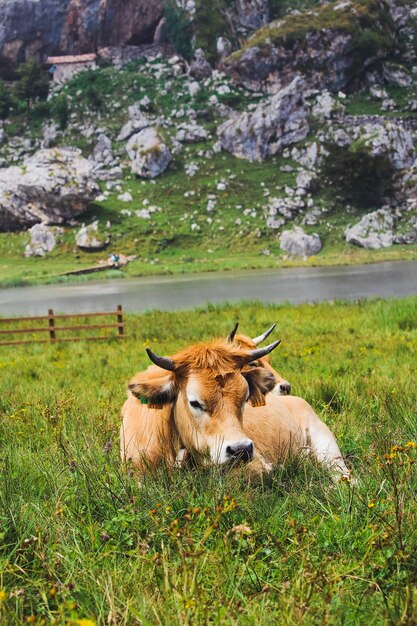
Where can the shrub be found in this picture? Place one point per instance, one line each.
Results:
(60, 111)
(359, 177)
(5, 101)
(179, 29)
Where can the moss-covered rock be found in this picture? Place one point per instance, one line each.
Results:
(330, 45)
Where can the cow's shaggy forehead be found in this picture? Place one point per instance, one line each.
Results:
(212, 390)
(218, 357)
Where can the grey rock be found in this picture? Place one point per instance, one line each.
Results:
(297, 243)
(252, 14)
(306, 181)
(53, 186)
(103, 151)
(149, 153)
(378, 92)
(326, 107)
(191, 133)
(133, 126)
(373, 231)
(382, 138)
(224, 47)
(49, 135)
(279, 122)
(90, 239)
(409, 232)
(200, 68)
(396, 75)
(42, 240)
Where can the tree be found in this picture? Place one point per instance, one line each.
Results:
(60, 110)
(179, 29)
(33, 83)
(5, 101)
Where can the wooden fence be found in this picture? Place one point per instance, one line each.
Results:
(55, 331)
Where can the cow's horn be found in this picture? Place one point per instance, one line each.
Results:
(261, 338)
(161, 361)
(233, 333)
(261, 352)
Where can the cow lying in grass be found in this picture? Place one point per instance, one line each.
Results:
(209, 399)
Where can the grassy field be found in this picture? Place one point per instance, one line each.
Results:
(82, 544)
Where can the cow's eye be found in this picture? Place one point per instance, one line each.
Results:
(196, 405)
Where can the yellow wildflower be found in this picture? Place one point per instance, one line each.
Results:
(3, 595)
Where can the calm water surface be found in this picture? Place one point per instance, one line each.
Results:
(184, 292)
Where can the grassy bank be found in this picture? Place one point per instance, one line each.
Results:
(80, 541)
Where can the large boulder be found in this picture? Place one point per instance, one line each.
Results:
(373, 231)
(53, 186)
(42, 240)
(297, 243)
(330, 44)
(279, 122)
(90, 238)
(149, 153)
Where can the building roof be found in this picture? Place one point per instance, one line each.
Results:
(78, 58)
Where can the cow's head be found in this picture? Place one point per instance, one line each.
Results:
(208, 386)
(282, 386)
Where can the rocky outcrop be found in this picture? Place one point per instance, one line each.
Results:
(42, 240)
(91, 239)
(53, 186)
(149, 153)
(297, 243)
(373, 231)
(329, 45)
(383, 137)
(281, 121)
(36, 29)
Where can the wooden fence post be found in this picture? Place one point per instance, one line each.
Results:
(52, 336)
(121, 327)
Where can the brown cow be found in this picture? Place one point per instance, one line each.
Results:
(282, 386)
(202, 394)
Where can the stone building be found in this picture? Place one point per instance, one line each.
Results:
(64, 68)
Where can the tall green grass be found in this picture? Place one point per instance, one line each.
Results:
(80, 540)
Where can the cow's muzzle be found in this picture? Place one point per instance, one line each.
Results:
(240, 451)
(284, 388)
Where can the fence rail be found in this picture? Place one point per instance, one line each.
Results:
(55, 331)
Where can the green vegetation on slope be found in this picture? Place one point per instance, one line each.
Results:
(368, 21)
(80, 540)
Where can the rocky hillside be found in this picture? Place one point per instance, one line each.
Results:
(301, 143)
(36, 29)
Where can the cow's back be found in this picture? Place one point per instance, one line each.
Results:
(282, 425)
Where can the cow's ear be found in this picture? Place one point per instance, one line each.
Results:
(155, 391)
(261, 381)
